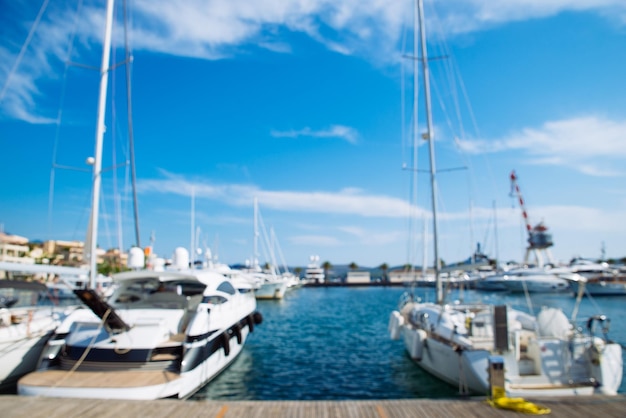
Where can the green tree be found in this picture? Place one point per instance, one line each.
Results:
(384, 267)
(353, 266)
(326, 266)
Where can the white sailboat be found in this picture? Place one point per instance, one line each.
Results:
(485, 349)
(269, 285)
(161, 333)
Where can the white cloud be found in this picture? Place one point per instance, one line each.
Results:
(335, 131)
(317, 240)
(348, 201)
(214, 29)
(462, 16)
(592, 145)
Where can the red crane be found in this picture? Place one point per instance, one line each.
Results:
(538, 238)
(515, 190)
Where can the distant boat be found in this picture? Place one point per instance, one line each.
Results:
(488, 349)
(268, 283)
(602, 279)
(534, 280)
(313, 272)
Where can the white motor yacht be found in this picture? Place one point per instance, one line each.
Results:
(161, 334)
(314, 273)
(536, 280)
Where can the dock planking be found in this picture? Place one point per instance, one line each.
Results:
(12, 406)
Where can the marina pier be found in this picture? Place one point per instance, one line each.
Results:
(40, 407)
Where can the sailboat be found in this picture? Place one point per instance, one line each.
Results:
(160, 334)
(496, 350)
(269, 285)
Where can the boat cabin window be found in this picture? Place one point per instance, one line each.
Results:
(137, 292)
(214, 299)
(226, 287)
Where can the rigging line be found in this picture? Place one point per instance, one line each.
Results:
(410, 256)
(129, 59)
(527, 295)
(268, 253)
(415, 140)
(116, 194)
(403, 98)
(454, 75)
(59, 118)
(405, 144)
(20, 55)
(450, 74)
(105, 219)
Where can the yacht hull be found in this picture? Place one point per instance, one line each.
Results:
(23, 336)
(135, 384)
(19, 357)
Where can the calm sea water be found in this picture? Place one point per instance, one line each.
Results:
(333, 344)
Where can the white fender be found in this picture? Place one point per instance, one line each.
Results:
(396, 321)
(414, 342)
(606, 366)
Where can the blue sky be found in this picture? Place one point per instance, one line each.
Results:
(306, 105)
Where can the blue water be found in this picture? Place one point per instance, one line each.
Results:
(333, 344)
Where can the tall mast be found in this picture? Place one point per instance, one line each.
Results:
(431, 146)
(92, 237)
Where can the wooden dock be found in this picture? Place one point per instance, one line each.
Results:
(12, 406)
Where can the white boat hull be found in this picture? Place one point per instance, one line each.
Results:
(540, 358)
(605, 288)
(159, 335)
(127, 385)
(21, 343)
(20, 357)
(271, 290)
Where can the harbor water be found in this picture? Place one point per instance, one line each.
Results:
(332, 344)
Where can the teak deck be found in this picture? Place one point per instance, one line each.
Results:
(35, 407)
(121, 379)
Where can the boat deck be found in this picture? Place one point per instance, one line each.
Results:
(119, 379)
(38, 407)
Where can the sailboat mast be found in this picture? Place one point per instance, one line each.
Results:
(431, 146)
(100, 128)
